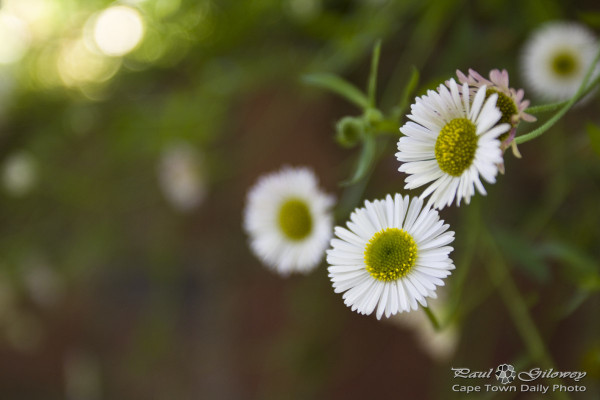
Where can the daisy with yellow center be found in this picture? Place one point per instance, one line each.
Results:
(392, 256)
(451, 143)
(288, 220)
(556, 58)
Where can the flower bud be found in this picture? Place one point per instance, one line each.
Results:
(374, 116)
(349, 131)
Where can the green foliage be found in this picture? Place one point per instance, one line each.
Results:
(523, 255)
(171, 301)
(339, 86)
(365, 160)
(593, 132)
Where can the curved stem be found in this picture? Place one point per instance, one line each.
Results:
(547, 125)
(517, 307)
(545, 107)
(542, 108)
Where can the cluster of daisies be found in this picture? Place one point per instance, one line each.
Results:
(393, 253)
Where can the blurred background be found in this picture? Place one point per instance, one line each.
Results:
(130, 133)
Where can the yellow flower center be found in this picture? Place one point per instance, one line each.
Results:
(507, 107)
(564, 64)
(456, 145)
(295, 219)
(390, 254)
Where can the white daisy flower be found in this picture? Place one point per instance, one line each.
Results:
(451, 142)
(392, 256)
(556, 58)
(288, 220)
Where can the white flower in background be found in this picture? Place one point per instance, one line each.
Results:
(451, 142)
(19, 173)
(392, 256)
(556, 58)
(288, 220)
(44, 284)
(82, 374)
(181, 176)
(439, 344)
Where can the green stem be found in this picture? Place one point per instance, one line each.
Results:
(546, 107)
(372, 90)
(555, 106)
(517, 307)
(432, 318)
(471, 227)
(547, 125)
(518, 312)
(550, 122)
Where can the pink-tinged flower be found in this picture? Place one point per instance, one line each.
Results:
(510, 101)
(451, 143)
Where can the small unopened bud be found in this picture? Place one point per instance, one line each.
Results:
(373, 116)
(349, 131)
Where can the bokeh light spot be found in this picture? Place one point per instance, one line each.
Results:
(79, 65)
(118, 30)
(14, 38)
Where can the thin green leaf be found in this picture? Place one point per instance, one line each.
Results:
(339, 86)
(581, 268)
(408, 91)
(372, 90)
(593, 132)
(365, 161)
(517, 250)
(572, 304)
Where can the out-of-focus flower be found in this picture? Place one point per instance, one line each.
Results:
(43, 283)
(451, 142)
(19, 173)
(392, 256)
(439, 344)
(181, 176)
(556, 58)
(288, 220)
(82, 376)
